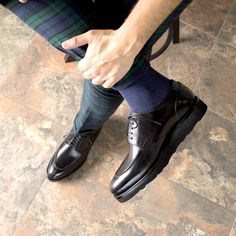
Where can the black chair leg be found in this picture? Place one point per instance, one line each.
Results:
(176, 31)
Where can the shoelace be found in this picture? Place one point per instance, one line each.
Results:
(133, 124)
(74, 139)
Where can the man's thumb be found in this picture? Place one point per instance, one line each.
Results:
(76, 41)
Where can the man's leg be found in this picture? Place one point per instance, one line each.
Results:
(57, 21)
(142, 83)
(97, 105)
(164, 113)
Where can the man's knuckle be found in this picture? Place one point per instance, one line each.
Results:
(75, 40)
(92, 32)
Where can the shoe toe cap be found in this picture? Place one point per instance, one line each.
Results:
(53, 173)
(114, 184)
(119, 183)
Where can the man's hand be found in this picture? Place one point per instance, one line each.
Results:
(109, 56)
(23, 1)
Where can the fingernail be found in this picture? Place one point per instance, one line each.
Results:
(64, 44)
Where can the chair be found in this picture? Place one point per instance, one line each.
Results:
(173, 35)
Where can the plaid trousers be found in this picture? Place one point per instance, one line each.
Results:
(58, 20)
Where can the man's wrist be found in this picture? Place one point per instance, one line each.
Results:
(131, 38)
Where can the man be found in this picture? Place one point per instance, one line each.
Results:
(110, 39)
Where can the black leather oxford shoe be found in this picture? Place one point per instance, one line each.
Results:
(153, 138)
(70, 155)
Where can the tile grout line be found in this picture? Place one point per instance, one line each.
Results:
(234, 223)
(222, 116)
(226, 43)
(36, 217)
(206, 63)
(198, 29)
(215, 40)
(226, 17)
(20, 221)
(216, 204)
(32, 110)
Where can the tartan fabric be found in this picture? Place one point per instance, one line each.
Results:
(96, 107)
(59, 20)
(56, 20)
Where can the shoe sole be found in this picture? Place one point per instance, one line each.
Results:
(175, 136)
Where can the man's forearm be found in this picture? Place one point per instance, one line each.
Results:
(146, 17)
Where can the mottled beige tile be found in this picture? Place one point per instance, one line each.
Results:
(31, 226)
(184, 61)
(28, 140)
(84, 206)
(233, 230)
(228, 33)
(82, 203)
(168, 209)
(205, 161)
(208, 15)
(15, 38)
(10, 216)
(45, 83)
(217, 85)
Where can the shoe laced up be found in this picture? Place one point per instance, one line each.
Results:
(74, 139)
(132, 124)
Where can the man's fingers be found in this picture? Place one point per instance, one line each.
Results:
(91, 73)
(109, 83)
(98, 80)
(84, 64)
(76, 41)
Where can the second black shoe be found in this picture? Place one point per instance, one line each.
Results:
(70, 155)
(153, 138)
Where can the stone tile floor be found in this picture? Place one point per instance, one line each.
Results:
(39, 97)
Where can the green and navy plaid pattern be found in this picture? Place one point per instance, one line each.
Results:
(97, 105)
(56, 20)
(59, 20)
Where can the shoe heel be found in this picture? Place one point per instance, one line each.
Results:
(188, 123)
(184, 127)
